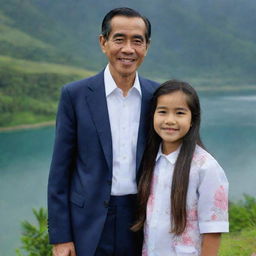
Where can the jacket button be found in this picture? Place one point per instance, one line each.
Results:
(106, 203)
(109, 182)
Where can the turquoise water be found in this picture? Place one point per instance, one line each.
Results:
(228, 130)
(229, 133)
(24, 164)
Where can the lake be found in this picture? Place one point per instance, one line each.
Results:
(228, 131)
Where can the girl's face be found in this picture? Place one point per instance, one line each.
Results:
(172, 119)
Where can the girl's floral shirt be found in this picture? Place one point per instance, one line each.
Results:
(207, 206)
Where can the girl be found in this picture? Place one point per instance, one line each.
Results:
(183, 201)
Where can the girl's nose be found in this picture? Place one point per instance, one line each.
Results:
(170, 119)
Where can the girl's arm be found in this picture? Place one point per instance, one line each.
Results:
(210, 244)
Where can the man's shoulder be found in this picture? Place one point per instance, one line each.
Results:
(77, 86)
(149, 84)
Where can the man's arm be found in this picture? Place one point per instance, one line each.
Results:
(59, 225)
(210, 244)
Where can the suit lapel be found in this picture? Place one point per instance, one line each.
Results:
(144, 115)
(96, 99)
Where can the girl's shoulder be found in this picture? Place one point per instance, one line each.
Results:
(202, 158)
(207, 167)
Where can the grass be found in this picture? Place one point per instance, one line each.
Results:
(239, 243)
(25, 118)
(32, 67)
(10, 35)
(29, 90)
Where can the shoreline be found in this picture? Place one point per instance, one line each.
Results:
(27, 126)
(202, 90)
(227, 89)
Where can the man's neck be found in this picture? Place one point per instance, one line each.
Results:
(123, 82)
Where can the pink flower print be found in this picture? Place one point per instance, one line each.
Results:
(150, 205)
(186, 239)
(192, 214)
(151, 199)
(144, 252)
(189, 225)
(153, 182)
(199, 159)
(220, 199)
(214, 217)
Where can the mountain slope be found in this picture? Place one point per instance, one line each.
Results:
(200, 39)
(29, 90)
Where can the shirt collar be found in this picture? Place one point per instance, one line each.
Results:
(110, 84)
(172, 157)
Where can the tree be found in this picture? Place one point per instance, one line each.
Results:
(35, 241)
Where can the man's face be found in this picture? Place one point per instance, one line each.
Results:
(126, 45)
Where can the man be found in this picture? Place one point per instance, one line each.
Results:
(100, 138)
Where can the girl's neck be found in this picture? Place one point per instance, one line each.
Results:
(168, 147)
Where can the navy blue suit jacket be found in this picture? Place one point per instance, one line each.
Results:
(81, 170)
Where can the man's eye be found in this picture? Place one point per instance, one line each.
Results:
(138, 42)
(118, 40)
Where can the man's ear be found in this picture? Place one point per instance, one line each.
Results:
(102, 41)
(147, 46)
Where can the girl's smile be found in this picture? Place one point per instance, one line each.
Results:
(172, 119)
(170, 130)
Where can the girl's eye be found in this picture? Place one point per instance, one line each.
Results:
(161, 112)
(180, 113)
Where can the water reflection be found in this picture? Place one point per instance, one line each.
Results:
(228, 130)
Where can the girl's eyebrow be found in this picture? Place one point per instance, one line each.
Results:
(161, 107)
(181, 108)
(178, 108)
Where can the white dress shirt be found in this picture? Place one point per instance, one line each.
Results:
(124, 117)
(207, 206)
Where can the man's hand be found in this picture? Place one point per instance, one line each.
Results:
(65, 249)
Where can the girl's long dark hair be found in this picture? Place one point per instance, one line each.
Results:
(182, 166)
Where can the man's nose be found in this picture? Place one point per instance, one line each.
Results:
(128, 48)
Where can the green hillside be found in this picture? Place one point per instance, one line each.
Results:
(29, 90)
(19, 25)
(44, 44)
(190, 39)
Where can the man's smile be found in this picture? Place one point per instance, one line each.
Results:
(126, 60)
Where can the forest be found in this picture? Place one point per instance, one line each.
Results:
(45, 44)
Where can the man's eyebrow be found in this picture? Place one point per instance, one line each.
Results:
(118, 35)
(139, 37)
(123, 35)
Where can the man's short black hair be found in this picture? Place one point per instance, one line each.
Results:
(127, 12)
